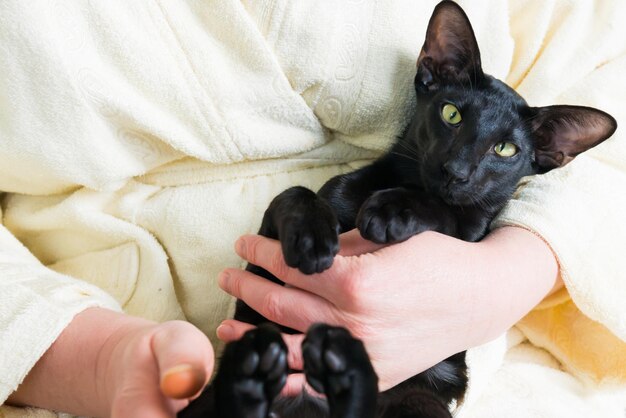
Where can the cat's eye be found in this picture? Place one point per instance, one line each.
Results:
(451, 114)
(505, 149)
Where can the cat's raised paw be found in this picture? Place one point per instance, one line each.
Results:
(310, 243)
(389, 216)
(306, 227)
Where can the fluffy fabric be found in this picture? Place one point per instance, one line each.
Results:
(139, 139)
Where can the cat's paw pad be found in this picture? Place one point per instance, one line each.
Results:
(334, 360)
(388, 216)
(310, 241)
(261, 369)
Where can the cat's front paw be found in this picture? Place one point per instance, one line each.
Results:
(310, 245)
(337, 365)
(307, 228)
(389, 216)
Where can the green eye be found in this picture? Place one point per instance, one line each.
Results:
(505, 149)
(451, 114)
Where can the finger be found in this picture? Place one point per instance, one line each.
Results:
(185, 358)
(294, 386)
(296, 383)
(267, 253)
(288, 306)
(351, 243)
(232, 330)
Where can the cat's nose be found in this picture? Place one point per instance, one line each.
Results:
(455, 172)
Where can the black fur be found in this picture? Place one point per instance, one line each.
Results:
(438, 176)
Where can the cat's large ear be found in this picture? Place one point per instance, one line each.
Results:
(450, 53)
(562, 132)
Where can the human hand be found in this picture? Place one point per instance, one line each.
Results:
(110, 364)
(413, 304)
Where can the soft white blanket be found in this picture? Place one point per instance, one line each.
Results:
(139, 139)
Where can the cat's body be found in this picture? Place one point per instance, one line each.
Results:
(454, 168)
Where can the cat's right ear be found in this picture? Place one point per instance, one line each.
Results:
(450, 53)
(561, 132)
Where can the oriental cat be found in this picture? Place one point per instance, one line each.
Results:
(471, 139)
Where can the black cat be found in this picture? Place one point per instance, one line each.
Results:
(471, 140)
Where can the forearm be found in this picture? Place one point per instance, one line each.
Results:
(523, 270)
(73, 374)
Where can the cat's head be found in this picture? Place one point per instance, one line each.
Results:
(473, 137)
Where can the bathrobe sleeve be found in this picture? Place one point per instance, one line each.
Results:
(578, 209)
(36, 304)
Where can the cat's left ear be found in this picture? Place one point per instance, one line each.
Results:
(562, 132)
(450, 53)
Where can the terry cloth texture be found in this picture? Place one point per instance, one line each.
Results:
(138, 140)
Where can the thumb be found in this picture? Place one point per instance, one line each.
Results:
(185, 358)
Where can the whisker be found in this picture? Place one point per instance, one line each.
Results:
(405, 156)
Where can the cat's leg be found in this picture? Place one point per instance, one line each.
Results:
(252, 372)
(337, 365)
(394, 215)
(346, 193)
(418, 403)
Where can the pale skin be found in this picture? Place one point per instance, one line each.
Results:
(433, 295)
(107, 364)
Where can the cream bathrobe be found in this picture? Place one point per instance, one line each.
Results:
(139, 139)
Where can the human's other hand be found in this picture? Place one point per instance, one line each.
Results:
(413, 303)
(109, 364)
(153, 371)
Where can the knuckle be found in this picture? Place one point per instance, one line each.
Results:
(278, 266)
(252, 248)
(352, 285)
(234, 285)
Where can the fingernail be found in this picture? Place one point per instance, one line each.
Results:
(224, 332)
(222, 280)
(240, 247)
(182, 381)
